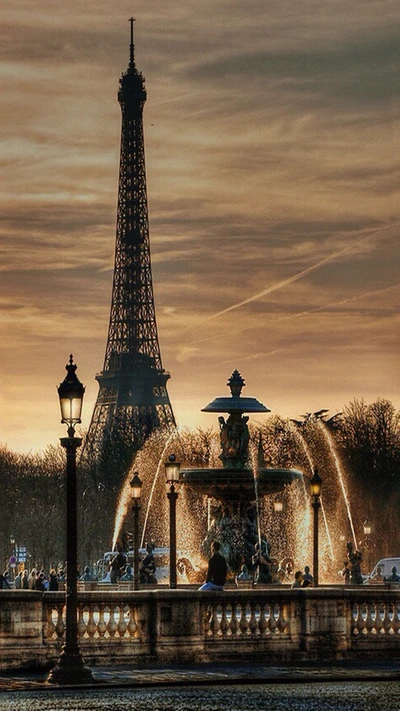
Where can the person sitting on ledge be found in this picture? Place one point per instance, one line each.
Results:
(128, 574)
(244, 574)
(262, 563)
(378, 577)
(217, 570)
(87, 576)
(393, 577)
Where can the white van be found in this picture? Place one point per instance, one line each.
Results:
(386, 565)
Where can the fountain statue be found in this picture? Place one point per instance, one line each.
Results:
(239, 483)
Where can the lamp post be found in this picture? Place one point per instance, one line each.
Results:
(12, 560)
(70, 668)
(136, 490)
(315, 483)
(367, 528)
(172, 474)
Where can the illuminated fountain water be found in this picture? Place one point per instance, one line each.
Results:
(231, 480)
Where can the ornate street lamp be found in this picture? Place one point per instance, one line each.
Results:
(70, 668)
(367, 528)
(172, 474)
(315, 483)
(136, 490)
(13, 559)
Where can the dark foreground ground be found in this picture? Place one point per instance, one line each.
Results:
(230, 687)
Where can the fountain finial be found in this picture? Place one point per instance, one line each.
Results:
(236, 383)
(235, 403)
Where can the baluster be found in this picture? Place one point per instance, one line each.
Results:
(214, 621)
(390, 613)
(132, 625)
(369, 620)
(50, 627)
(354, 617)
(101, 625)
(81, 623)
(283, 619)
(396, 619)
(253, 624)
(91, 625)
(263, 624)
(224, 624)
(234, 621)
(60, 626)
(360, 623)
(379, 617)
(273, 623)
(122, 625)
(112, 625)
(229, 619)
(243, 622)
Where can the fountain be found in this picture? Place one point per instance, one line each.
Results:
(239, 483)
(230, 482)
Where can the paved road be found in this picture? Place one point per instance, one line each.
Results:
(325, 696)
(214, 674)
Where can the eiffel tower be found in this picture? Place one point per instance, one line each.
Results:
(133, 398)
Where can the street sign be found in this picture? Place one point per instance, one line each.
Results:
(21, 554)
(12, 560)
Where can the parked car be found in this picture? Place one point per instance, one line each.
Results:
(386, 565)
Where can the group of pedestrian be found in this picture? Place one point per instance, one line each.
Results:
(218, 570)
(121, 571)
(303, 580)
(37, 579)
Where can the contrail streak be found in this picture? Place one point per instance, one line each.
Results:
(292, 279)
(298, 314)
(254, 356)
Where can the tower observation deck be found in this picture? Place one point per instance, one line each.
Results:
(133, 398)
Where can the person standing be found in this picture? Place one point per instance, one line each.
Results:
(217, 570)
(53, 580)
(298, 579)
(25, 580)
(32, 579)
(345, 572)
(147, 567)
(4, 581)
(307, 576)
(262, 563)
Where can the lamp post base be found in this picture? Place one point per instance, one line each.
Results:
(70, 669)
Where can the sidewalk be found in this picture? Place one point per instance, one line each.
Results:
(213, 674)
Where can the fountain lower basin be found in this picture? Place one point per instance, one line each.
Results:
(238, 484)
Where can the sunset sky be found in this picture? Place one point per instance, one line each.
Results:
(273, 162)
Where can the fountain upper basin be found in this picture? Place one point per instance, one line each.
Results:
(238, 484)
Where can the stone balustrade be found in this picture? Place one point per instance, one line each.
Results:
(273, 624)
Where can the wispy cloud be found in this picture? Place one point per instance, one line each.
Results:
(272, 159)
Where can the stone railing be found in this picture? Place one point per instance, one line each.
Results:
(270, 624)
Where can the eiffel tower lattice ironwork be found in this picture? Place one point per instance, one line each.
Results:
(133, 398)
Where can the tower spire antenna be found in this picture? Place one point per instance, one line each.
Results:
(131, 47)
